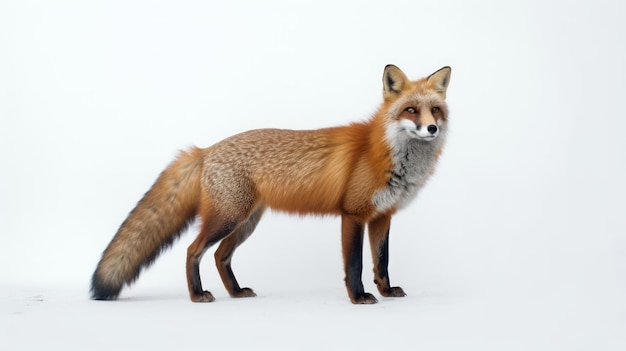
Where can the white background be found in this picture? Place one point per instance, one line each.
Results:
(517, 242)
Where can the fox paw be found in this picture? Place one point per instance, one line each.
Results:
(205, 296)
(244, 292)
(364, 299)
(395, 291)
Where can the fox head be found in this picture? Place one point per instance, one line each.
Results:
(415, 109)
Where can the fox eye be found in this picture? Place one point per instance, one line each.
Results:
(411, 110)
(435, 109)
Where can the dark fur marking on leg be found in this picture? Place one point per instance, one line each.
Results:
(224, 254)
(379, 243)
(352, 241)
(354, 262)
(196, 282)
(382, 264)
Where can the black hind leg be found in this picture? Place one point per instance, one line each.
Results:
(224, 254)
(211, 233)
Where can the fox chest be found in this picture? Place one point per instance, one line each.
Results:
(412, 166)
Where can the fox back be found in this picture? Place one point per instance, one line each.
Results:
(364, 169)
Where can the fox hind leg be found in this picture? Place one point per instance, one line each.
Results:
(224, 254)
(212, 232)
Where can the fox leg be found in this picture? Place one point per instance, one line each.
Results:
(213, 230)
(352, 245)
(378, 230)
(225, 251)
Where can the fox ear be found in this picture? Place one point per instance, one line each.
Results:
(439, 80)
(394, 81)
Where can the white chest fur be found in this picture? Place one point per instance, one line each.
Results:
(413, 161)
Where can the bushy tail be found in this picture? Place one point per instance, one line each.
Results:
(164, 212)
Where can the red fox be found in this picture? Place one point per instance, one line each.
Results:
(363, 172)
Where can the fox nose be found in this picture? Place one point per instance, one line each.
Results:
(432, 129)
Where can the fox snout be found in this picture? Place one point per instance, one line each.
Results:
(427, 132)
